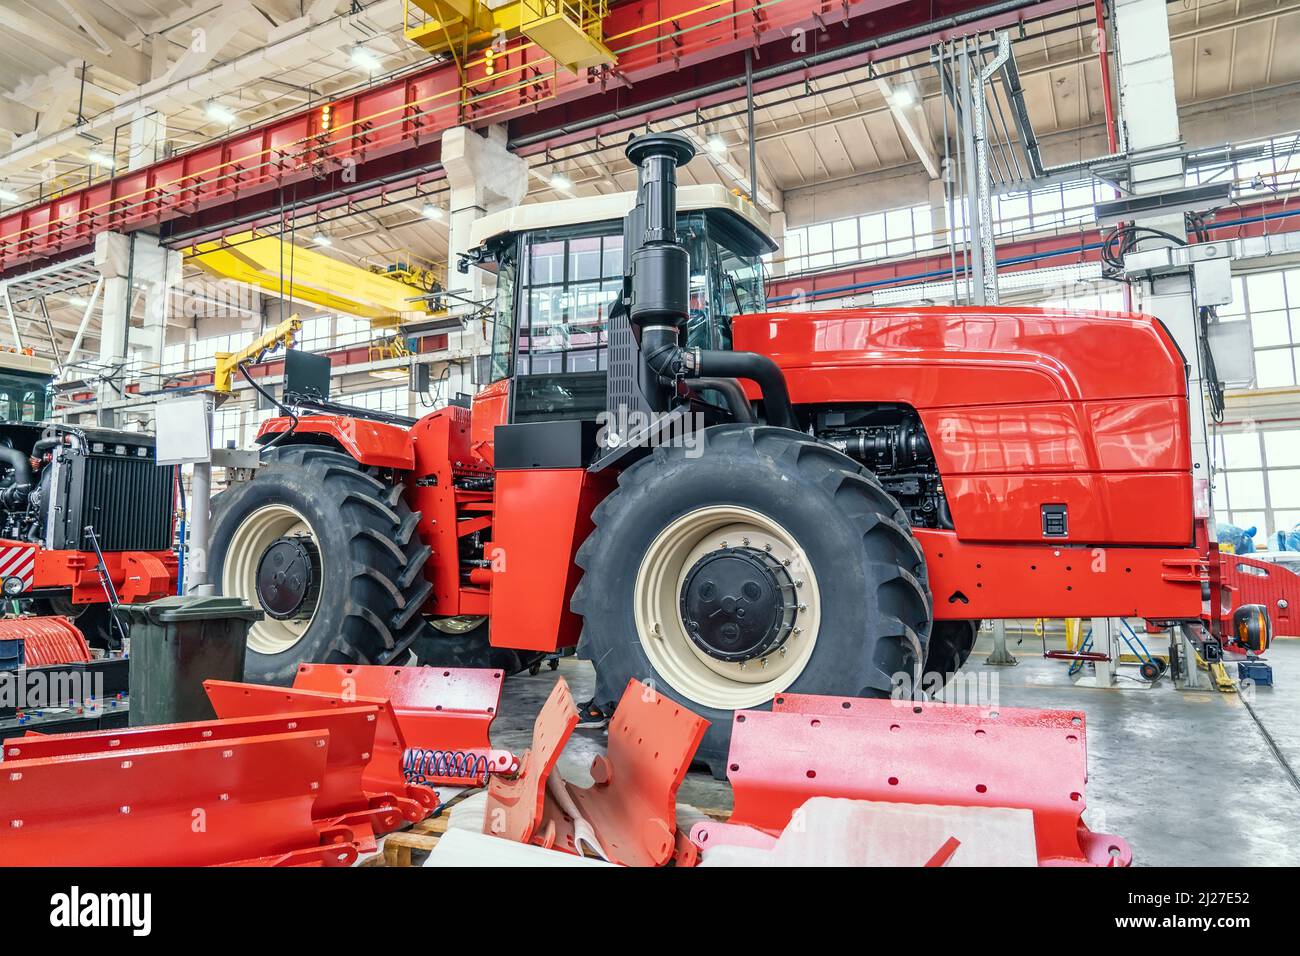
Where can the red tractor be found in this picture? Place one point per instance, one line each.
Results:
(726, 502)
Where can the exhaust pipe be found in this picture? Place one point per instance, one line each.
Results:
(656, 288)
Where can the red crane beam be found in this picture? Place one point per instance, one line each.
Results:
(673, 56)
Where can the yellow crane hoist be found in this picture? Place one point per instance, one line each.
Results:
(223, 379)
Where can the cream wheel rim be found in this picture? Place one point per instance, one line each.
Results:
(676, 658)
(239, 574)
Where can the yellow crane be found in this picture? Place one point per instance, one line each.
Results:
(223, 378)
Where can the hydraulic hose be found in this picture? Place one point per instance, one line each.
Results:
(759, 369)
(732, 392)
(19, 464)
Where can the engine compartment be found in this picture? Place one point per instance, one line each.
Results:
(890, 440)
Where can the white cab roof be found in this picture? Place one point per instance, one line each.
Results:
(25, 363)
(569, 212)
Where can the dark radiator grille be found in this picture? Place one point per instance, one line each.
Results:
(129, 501)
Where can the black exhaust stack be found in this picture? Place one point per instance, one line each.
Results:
(656, 289)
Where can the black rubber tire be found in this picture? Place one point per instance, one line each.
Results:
(435, 648)
(876, 604)
(369, 604)
(950, 645)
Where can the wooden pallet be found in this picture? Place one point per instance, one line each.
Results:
(396, 848)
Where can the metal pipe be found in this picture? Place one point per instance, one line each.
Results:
(749, 119)
(85, 319)
(1103, 48)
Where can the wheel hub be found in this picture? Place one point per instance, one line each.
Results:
(288, 577)
(738, 604)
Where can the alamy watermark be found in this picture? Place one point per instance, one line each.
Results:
(27, 690)
(631, 427)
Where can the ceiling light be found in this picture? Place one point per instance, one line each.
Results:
(78, 302)
(99, 159)
(901, 98)
(430, 211)
(717, 145)
(7, 195)
(218, 113)
(365, 58)
(560, 181)
(320, 239)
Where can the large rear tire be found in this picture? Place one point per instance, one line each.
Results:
(950, 645)
(770, 562)
(344, 583)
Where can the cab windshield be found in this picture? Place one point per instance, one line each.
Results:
(23, 398)
(555, 288)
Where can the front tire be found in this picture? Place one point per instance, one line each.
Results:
(350, 583)
(770, 562)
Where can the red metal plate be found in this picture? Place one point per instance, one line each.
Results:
(383, 771)
(351, 740)
(437, 708)
(633, 804)
(909, 752)
(198, 804)
(515, 806)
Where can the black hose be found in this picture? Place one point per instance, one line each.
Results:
(732, 392)
(19, 463)
(758, 369)
(293, 419)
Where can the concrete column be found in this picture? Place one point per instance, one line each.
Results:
(484, 177)
(776, 226)
(148, 137)
(131, 264)
(1149, 107)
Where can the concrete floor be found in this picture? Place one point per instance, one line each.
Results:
(1186, 777)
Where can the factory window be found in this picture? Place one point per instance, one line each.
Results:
(1270, 301)
(206, 349)
(878, 235)
(316, 334)
(1257, 483)
(228, 427)
(349, 330)
(394, 400)
(1261, 168)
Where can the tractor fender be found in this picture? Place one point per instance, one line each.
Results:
(370, 443)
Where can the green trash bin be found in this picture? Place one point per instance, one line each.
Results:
(179, 642)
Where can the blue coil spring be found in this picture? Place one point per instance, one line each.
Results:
(421, 766)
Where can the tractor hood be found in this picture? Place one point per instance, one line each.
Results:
(956, 356)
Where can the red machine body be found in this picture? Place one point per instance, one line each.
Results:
(1023, 407)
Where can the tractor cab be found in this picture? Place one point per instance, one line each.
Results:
(559, 268)
(25, 383)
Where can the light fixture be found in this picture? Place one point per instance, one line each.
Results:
(900, 97)
(430, 211)
(8, 195)
(365, 58)
(218, 113)
(78, 302)
(320, 239)
(717, 145)
(99, 159)
(560, 181)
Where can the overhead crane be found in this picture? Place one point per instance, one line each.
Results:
(672, 56)
(570, 31)
(305, 275)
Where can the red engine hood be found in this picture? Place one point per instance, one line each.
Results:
(1024, 408)
(1035, 355)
